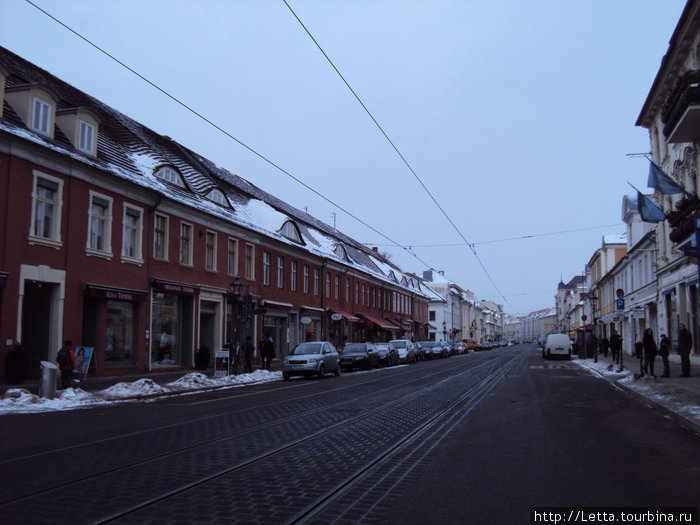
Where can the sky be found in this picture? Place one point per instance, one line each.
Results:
(515, 115)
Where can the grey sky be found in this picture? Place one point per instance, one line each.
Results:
(516, 114)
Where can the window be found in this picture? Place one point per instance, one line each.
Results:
(363, 294)
(341, 252)
(293, 284)
(218, 197)
(100, 224)
(266, 268)
(41, 116)
(431, 315)
(347, 289)
(168, 174)
(374, 298)
(210, 251)
(47, 201)
(86, 137)
(357, 293)
(185, 244)
(160, 237)
(280, 272)
(291, 232)
(316, 278)
(306, 278)
(337, 287)
(328, 285)
(249, 261)
(133, 232)
(232, 267)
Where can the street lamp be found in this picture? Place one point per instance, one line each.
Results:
(593, 299)
(444, 331)
(242, 303)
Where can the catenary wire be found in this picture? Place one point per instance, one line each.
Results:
(229, 135)
(425, 188)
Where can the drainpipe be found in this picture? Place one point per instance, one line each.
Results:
(148, 255)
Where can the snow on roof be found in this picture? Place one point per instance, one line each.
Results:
(614, 239)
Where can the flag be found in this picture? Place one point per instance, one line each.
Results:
(649, 211)
(662, 182)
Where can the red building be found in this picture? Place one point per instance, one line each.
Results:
(123, 240)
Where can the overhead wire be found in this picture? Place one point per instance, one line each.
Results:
(229, 135)
(408, 165)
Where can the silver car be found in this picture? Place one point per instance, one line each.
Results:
(407, 354)
(312, 358)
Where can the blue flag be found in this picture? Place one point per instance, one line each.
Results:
(662, 182)
(649, 211)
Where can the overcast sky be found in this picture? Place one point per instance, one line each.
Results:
(515, 114)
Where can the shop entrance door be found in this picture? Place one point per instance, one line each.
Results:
(36, 324)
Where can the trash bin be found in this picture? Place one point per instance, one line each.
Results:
(47, 381)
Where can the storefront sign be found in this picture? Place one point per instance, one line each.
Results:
(336, 317)
(221, 362)
(306, 320)
(114, 294)
(175, 288)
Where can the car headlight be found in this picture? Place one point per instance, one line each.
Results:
(313, 359)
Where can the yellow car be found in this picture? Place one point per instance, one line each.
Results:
(472, 344)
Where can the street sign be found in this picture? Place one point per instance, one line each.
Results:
(619, 304)
(620, 293)
(584, 317)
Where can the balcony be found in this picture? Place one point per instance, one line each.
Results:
(681, 113)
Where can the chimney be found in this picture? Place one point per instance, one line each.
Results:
(375, 249)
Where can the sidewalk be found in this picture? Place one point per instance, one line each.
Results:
(677, 397)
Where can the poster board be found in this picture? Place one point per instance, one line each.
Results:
(83, 356)
(221, 362)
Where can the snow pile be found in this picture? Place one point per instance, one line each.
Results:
(677, 399)
(21, 401)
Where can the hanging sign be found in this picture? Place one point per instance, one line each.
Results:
(336, 317)
(306, 320)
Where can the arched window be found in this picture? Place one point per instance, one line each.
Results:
(218, 197)
(169, 174)
(291, 232)
(341, 252)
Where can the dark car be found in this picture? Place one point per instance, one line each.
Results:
(359, 355)
(388, 356)
(439, 349)
(420, 350)
(427, 352)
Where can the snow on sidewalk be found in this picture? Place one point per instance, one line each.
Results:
(21, 401)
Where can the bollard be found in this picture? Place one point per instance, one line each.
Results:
(47, 381)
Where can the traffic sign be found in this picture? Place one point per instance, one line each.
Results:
(620, 304)
(620, 293)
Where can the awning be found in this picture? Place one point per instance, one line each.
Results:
(431, 326)
(406, 324)
(347, 316)
(379, 321)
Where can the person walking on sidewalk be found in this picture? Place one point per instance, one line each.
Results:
(615, 346)
(268, 352)
(248, 351)
(603, 345)
(650, 351)
(685, 343)
(66, 363)
(664, 350)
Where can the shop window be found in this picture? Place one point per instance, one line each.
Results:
(171, 339)
(120, 334)
(47, 203)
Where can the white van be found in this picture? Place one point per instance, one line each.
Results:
(557, 345)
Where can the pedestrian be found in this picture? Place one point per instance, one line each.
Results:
(604, 345)
(615, 345)
(685, 343)
(639, 354)
(650, 351)
(664, 350)
(232, 357)
(66, 362)
(248, 351)
(269, 352)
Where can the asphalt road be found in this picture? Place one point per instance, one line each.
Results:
(478, 438)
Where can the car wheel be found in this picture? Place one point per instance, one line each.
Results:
(321, 371)
(285, 375)
(337, 371)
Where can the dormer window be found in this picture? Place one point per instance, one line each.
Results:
(86, 137)
(218, 197)
(41, 116)
(168, 174)
(291, 232)
(392, 276)
(341, 252)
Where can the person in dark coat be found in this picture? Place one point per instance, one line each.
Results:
(685, 343)
(268, 352)
(67, 369)
(615, 345)
(664, 350)
(650, 352)
(639, 354)
(603, 345)
(232, 357)
(248, 351)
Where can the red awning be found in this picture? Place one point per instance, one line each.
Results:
(379, 321)
(348, 316)
(406, 325)
(431, 326)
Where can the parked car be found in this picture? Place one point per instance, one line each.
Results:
(461, 348)
(472, 344)
(420, 349)
(387, 356)
(439, 349)
(311, 358)
(427, 351)
(359, 355)
(486, 345)
(407, 354)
